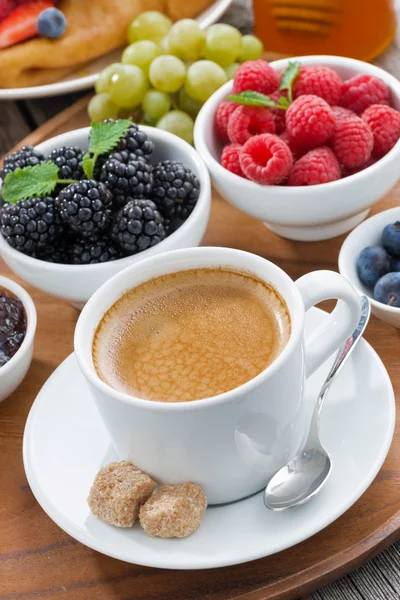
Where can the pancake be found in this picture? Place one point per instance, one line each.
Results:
(93, 28)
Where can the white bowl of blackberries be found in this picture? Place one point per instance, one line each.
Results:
(370, 259)
(84, 205)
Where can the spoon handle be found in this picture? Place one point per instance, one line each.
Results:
(342, 355)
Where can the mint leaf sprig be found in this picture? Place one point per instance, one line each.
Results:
(37, 181)
(288, 78)
(251, 98)
(41, 180)
(103, 138)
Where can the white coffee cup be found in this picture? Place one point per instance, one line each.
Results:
(231, 444)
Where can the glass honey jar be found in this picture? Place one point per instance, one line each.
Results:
(356, 28)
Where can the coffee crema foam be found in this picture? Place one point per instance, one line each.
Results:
(190, 335)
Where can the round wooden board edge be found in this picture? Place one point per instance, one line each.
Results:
(312, 578)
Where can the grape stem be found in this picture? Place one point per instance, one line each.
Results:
(391, 300)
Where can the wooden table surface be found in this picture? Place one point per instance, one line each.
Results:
(37, 560)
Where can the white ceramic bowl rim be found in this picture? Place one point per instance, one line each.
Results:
(85, 324)
(31, 319)
(283, 191)
(153, 133)
(343, 258)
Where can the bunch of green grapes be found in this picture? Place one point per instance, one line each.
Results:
(169, 70)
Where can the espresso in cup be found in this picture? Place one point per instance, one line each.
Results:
(190, 335)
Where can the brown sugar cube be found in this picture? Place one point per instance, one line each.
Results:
(117, 493)
(174, 511)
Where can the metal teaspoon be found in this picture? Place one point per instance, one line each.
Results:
(303, 477)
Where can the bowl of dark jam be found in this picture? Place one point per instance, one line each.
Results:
(17, 332)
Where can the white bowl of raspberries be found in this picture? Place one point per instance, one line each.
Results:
(86, 204)
(370, 259)
(306, 144)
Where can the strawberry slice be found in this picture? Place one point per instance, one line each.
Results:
(6, 7)
(21, 23)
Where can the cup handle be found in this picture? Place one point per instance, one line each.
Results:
(339, 324)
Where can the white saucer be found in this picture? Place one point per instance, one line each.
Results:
(86, 77)
(65, 444)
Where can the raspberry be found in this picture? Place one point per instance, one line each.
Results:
(222, 114)
(342, 113)
(317, 166)
(347, 172)
(385, 126)
(352, 142)
(318, 81)
(296, 151)
(310, 121)
(277, 114)
(266, 159)
(362, 91)
(230, 159)
(255, 75)
(247, 121)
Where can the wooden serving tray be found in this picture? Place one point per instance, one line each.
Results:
(37, 559)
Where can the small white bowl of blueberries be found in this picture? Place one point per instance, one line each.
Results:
(85, 205)
(370, 260)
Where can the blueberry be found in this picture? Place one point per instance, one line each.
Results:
(51, 23)
(372, 263)
(387, 289)
(391, 238)
(395, 263)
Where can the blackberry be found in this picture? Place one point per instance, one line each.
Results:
(69, 161)
(137, 226)
(176, 189)
(134, 145)
(126, 182)
(85, 207)
(122, 156)
(26, 157)
(31, 224)
(85, 252)
(125, 156)
(136, 141)
(58, 250)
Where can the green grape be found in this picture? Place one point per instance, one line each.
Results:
(252, 48)
(141, 54)
(128, 87)
(187, 104)
(223, 44)
(186, 39)
(156, 104)
(103, 81)
(231, 70)
(179, 123)
(101, 107)
(203, 78)
(164, 45)
(149, 25)
(147, 120)
(167, 73)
